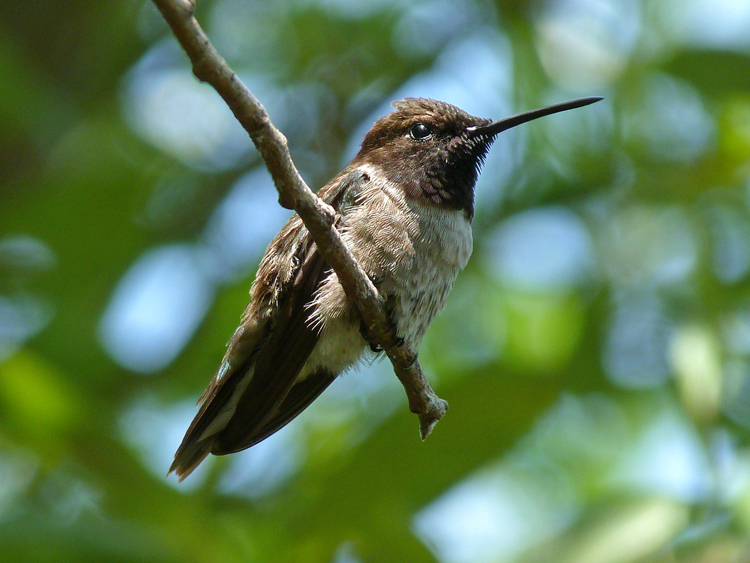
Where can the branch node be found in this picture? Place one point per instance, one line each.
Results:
(427, 421)
(200, 71)
(287, 200)
(330, 213)
(187, 7)
(407, 358)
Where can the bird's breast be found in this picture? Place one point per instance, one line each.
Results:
(442, 248)
(412, 250)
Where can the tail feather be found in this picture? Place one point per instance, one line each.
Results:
(188, 457)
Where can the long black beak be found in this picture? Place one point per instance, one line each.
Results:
(499, 126)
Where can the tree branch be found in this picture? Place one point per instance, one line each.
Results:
(318, 217)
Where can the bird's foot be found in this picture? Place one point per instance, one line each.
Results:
(370, 338)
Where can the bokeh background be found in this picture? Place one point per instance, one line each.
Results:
(595, 352)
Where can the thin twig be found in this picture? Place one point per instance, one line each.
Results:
(318, 217)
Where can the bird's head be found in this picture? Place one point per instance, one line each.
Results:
(434, 150)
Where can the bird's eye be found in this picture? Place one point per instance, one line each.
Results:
(420, 132)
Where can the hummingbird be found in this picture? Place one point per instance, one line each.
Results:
(404, 208)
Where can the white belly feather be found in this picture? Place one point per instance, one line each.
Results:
(413, 253)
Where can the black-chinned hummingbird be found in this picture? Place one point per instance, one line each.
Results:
(405, 206)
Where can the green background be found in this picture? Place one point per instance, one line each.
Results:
(595, 352)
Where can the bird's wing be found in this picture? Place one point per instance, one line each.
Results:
(278, 362)
(300, 396)
(255, 392)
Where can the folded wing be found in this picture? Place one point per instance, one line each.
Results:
(256, 391)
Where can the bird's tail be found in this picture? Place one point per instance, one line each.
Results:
(188, 457)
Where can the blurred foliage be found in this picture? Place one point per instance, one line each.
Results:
(595, 353)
